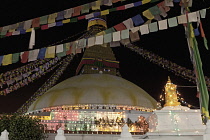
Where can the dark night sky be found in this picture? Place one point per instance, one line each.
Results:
(170, 44)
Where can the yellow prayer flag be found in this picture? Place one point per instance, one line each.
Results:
(145, 1)
(105, 12)
(192, 31)
(7, 59)
(50, 52)
(66, 21)
(51, 18)
(97, 5)
(29, 30)
(148, 14)
(11, 30)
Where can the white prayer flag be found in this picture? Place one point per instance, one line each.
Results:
(32, 39)
(129, 5)
(116, 36)
(144, 29)
(89, 16)
(51, 24)
(91, 41)
(99, 40)
(203, 13)
(68, 13)
(27, 24)
(128, 23)
(182, 19)
(33, 54)
(59, 48)
(162, 24)
(192, 17)
(134, 29)
(16, 33)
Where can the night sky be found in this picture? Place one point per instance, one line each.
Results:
(170, 44)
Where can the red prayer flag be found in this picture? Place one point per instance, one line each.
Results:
(120, 27)
(121, 8)
(44, 27)
(9, 34)
(77, 11)
(36, 22)
(24, 57)
(81, 17)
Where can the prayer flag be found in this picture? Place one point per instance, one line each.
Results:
(145, 1)
(43, 20)
(155, 10)
(110, 30)
(61, 53)
(172, 22)
(51, 18)
(77, 11)
(36, 22)
(44, 27)
(16, 33)
(121, 8)
(60, 15)
(81, 17)
(104, 12)
(41, 54)
(115, 44)
(32, 39)
(7, 59)
(85, 8)
(89, 16)
(162, 24)
(108, 38)
(144, 29)
(68, 13)
(59, 48)
(96, 5)
(182, 19)
(125, 41)
(128, 23)
(51, 25)
(125, 34)
(33, 55)
(134, 29)
(108, 2)
(24, 56)
(1, 58)
(50, 52)
(148, 14)
(134, 36)
(153, 27)
(15, 57)
(116, 36)
(127, 6)
(137, 20)
(66, 21)
(119, 27)
(169, 3)
(99, 40)
(59, 23)
(138, 3)
(203, 13)
(91, 41)
(192, 17)
(27, 24)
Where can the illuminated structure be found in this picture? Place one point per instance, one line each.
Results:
(171, 94)
(96, 100)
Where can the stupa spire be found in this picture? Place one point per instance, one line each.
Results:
(98, 58)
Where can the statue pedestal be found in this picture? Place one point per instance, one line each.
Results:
(60, 135)
(177, 121)
(125, 134)
(4, 135)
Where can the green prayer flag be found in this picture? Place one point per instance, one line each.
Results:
(85, 8)
(153, 27)
(112, 9)
(125, 34)
(172, 22)
(110, 30)
(155, 10)
(154, 1)
(43, 20)
(73, 20)
(108, 38)
(61, 54)
(15, 57)
(205, 43)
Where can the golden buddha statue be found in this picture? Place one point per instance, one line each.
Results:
(171, 94)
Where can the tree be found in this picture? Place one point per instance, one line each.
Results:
(22, 127)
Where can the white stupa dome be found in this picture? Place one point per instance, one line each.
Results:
(94, 89)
